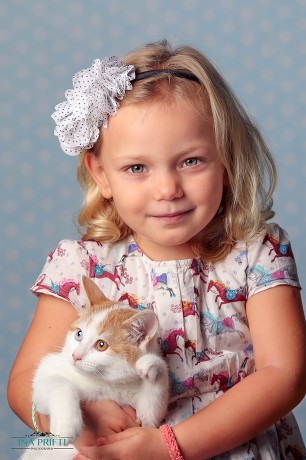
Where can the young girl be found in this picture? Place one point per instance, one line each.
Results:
(178, 184)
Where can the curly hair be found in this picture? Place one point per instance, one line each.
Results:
(251, 172)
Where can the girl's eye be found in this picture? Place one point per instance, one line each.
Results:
(136, 169)
(191, 162)
(78, 334)
(101, 345)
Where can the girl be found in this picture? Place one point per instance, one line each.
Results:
(178, 185)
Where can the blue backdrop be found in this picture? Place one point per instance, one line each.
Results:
(260, 48)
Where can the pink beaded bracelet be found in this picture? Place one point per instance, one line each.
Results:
(171, 442)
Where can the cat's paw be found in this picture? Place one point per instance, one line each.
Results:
(150, 367)
(67, 427)
(151, 416)
(147, 421)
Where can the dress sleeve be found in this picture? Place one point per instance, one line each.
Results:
(62, 273)
(270, 261)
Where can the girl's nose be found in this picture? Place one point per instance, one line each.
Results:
(167, 186)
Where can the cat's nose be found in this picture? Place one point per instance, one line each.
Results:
(76, 356)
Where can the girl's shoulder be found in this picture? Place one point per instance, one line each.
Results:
(270, 259)
(270, 242)
(271, 235)
(72, 252)
(271, 230)
(65, 266)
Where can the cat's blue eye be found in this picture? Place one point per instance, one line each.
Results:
(78, 334)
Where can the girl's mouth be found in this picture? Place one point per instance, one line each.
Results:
(172, 218)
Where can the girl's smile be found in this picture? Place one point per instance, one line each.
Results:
(170, 219)
(161, 166)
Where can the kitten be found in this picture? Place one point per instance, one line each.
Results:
(111, 352)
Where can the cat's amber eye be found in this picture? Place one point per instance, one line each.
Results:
(101, 345)
(78, 334)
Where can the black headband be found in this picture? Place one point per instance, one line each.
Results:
(176, 73)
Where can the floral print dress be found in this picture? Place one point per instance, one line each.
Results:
(201, 311)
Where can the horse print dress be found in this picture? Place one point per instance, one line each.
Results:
(201, 310)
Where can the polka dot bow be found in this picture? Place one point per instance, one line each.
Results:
(88, 105)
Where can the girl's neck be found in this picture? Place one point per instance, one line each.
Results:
(164, 253)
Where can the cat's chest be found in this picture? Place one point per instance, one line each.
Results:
(89, 389)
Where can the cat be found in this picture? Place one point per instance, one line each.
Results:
(112, 351)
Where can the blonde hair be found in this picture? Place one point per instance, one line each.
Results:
(251, 173)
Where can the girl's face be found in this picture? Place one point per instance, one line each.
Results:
(161, 166)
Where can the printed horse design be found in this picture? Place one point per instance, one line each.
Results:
(294, 452)
(226, 294)
(161, 282)
(189, 386)
(179, 387)
(133, 250)
(189, 308)
(280, 249)
(284, 429)
(60, 251)
(240, 256)
(62, 289)
(226, 381)
(97, 270)
(82, 244)
(50, 256)
(262, 276)
(169, 342)
(216, 326)
(200, 356)
(132, 301)
(196, 266)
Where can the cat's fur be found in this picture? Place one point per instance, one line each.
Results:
(128, 368)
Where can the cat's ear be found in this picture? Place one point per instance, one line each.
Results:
(94, 294)
(142, 327)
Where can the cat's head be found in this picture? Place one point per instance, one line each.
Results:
(108, 337)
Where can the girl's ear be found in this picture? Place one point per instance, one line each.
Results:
(96, 171)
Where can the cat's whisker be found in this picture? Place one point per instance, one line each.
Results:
(98, 373)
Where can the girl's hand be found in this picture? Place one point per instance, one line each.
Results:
(104, 418)
(134, 443)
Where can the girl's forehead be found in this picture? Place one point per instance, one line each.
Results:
(131, 114)
(197, 100)
(158, 127)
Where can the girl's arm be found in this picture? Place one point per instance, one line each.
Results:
(277, 326)
(47, 333)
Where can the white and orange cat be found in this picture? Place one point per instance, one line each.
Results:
(111, 352)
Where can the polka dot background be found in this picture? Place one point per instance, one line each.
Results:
(260, 47)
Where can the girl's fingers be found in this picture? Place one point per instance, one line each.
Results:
(109, 447)
(116, 437)
(131, 413)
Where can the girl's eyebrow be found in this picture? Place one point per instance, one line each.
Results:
(131, 158)
(204, 146)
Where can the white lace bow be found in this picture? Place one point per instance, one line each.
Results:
(88, 105)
